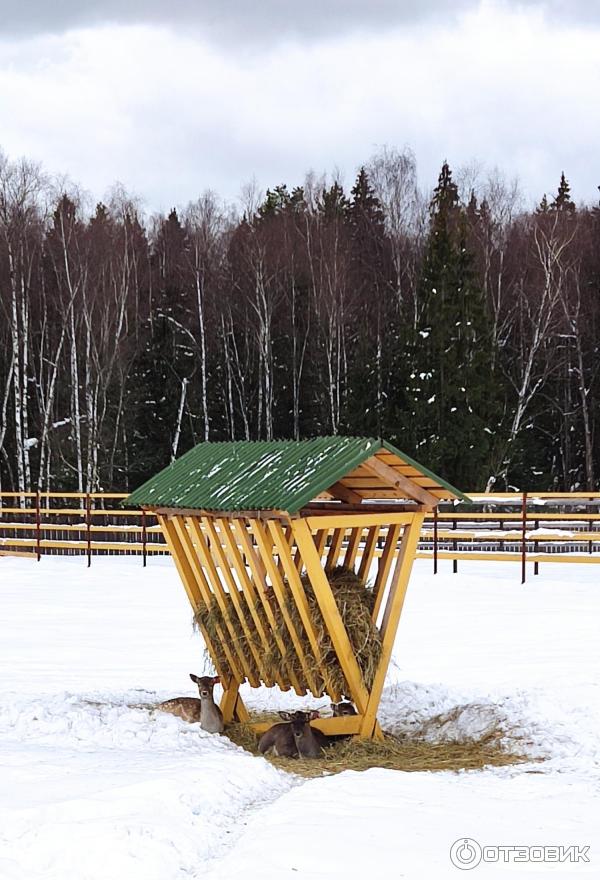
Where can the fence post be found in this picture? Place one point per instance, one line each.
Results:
(144, 537)
(524, 538)
(38, 527)
(455, 548)
(88, 528)
(435, 541)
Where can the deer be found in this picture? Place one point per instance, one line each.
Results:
(295, 737)
(345, 707)
(203, 710)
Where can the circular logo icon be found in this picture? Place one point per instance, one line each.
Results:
(465, 853)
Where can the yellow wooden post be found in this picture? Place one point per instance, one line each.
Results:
(331, 614)
(391, 617)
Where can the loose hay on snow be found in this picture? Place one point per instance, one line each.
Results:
(392, 753)
(355, 601)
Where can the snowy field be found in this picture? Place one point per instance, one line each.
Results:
(94, 788)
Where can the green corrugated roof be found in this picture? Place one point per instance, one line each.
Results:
(260, 475)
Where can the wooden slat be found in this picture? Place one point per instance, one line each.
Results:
(249, 590)
(190, 583)
(218, 592)
(206, 595)
(299, 594)
(345, 724)
(352, 549)
(350, 520)
(49, 544)
(367, 555)
(385, 563)
(335, 549)
(220, 558)
(265, 546)
(240, 529)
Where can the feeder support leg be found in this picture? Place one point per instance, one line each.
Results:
(331, 615)
(232, 705)
(391, 618)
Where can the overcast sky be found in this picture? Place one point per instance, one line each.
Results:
(172, 97)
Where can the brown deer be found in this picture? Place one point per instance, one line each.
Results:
(203, 710)
(295, 737)
(345, 707)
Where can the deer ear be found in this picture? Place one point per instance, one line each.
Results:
(194, 677)
(314, 714)
(216, 679)
(285, 715)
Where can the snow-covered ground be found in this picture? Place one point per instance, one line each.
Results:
(95, 786)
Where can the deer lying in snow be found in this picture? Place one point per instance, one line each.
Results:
(294, 737)
(204, 710)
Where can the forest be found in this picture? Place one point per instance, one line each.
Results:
(458, 323)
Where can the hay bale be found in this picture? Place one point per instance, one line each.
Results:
(355, 601)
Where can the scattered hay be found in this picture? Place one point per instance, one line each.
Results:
(355, 601)
(391, 753)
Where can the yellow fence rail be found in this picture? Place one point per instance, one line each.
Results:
(521, 528)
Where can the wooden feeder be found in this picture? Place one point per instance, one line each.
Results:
(250, 524)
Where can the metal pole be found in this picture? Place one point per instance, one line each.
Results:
(455, 548)
(38, 527)
(435, 541)
(88, 527)
(144, 537)
(524, 538)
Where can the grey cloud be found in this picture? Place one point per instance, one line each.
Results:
(258, 20)
(225, 19)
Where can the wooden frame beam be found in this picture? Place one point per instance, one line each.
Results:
(331, 614)
(349, 496)
(396, 480)
(350, 520)
(391, 618)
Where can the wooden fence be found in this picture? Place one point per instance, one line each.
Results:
(541, 527)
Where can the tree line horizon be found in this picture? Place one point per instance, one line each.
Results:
(456, 324)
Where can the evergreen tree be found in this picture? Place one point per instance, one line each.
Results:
(333, 202)
(543, 206)
(276, 201)
(562, 201)
(452, 387)
(371, 279)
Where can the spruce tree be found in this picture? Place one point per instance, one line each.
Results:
(333, 202)
(452, 387)
(562, 201)
(543, 206)
(370, 280)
